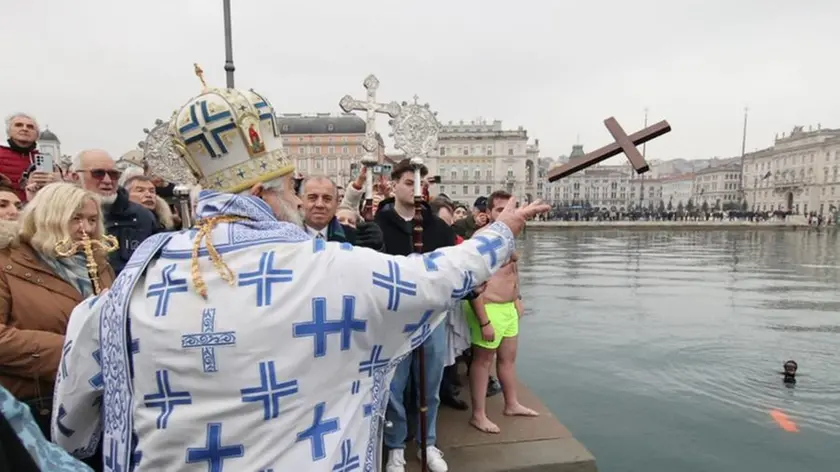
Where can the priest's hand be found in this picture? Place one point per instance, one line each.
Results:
(515, 218)
(369, 235)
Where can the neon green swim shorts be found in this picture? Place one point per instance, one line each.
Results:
(502, 316)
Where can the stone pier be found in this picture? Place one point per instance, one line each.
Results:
(525, 444)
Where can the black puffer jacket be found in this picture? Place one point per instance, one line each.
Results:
(397, 232)
(131, 224)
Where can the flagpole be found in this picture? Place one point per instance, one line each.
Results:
(741, 190)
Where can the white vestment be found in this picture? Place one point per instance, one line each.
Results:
(285, 369)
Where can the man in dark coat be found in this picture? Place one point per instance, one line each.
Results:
(468, 226)
(320, 201)
(130, 223)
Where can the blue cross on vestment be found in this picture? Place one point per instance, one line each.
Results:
(395, 285)
(63, 429)
(264, 277)
(355, 387)
(213, 452)
(490, 246)
(367, 408)
(111, 459)
(466, 286)
(421, 329)
(429, 261)
(93, 301)
(348, 461)
(315, 433)
(374, 362)
(96, 380)
(165, 398)
(166, 287)
(208, 340)
(319, 328)
(65, 351)
(270, 391)
(202, 124)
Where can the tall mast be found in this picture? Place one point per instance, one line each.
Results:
(741, 194)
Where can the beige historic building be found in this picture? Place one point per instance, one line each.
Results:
(717, 186)
(325, 144)
(799, 173)
(476, 158)
(677, 190)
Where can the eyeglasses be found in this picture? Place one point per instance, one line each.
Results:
(99, 174)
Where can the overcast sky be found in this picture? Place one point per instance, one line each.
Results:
(97, 71)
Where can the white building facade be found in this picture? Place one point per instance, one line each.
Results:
(677, 190)
(718, 187)
(799, 173)
(477, 158)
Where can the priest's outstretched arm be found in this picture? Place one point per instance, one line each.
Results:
(76, 423)
(402, 299)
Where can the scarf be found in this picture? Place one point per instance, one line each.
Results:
(20, 149)
(72, 270)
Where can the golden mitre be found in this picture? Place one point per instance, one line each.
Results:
(229, 139)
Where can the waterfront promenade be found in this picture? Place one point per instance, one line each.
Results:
(791, 223)
(540, 444)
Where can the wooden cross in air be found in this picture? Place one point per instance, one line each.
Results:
(370, 106)
(623, 143)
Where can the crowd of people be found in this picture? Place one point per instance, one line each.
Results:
(44, 382)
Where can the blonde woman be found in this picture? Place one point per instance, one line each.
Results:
(39, 289)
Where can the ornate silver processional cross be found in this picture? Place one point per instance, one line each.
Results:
(371, 107)
(415, 132)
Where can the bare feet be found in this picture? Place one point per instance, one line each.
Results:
(519, 410)
(484, 425)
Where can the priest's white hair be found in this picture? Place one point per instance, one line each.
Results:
(288, 212)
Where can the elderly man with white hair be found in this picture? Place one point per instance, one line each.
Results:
(18, 156)
(95, 170)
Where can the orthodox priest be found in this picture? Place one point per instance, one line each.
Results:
(243, 342)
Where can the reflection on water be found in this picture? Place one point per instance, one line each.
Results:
(661, 351)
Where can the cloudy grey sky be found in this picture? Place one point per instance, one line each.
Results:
(99, 71)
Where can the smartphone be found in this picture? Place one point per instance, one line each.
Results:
(44, 162)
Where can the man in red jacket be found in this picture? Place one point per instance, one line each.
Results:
(17, 158)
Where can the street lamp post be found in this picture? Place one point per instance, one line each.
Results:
(644, 149)
(229, 68)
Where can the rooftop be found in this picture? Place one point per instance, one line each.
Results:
(320, 123)
(48, 135)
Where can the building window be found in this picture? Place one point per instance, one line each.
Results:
(466, 173)
(442, 189)
(332, 164)
(443, 150)
(302, 164)
(488, 174)
(466, 190)
(489, 190)
(510, 151)
(477, 190)
(454, 175)
(477, 174)
(331, 150)
(318, 164)
(510, 172)
(466, 150)
(345, 149)
(489, 150)
(442, 171)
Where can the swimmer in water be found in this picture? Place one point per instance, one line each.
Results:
(790, 372)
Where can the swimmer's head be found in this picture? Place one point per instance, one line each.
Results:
(790, 368)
